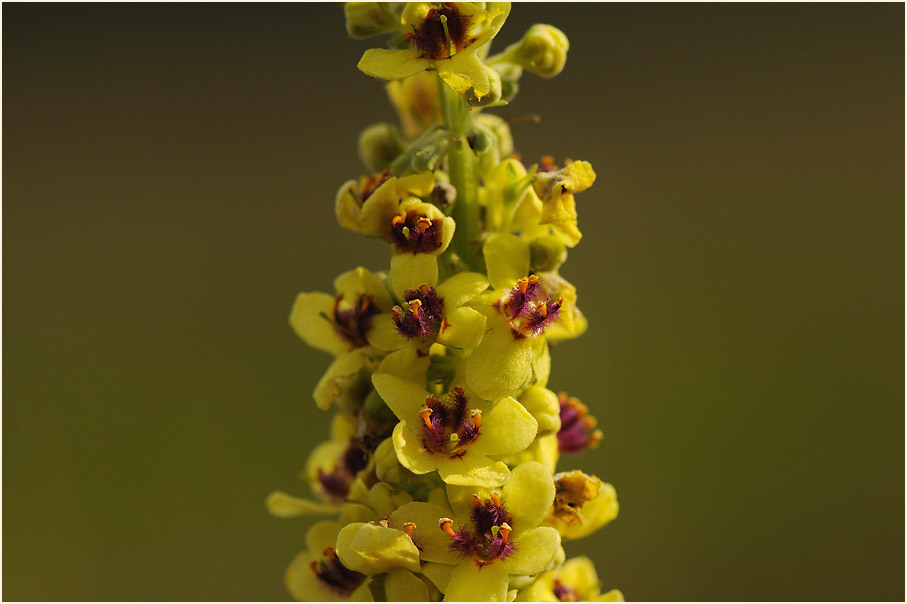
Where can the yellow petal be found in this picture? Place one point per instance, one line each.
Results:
(506, 428)
(465, 71)
(500, 364)
(347, 207)
(535, 549)
(392, 64)
(473, 583)
(404, 397)
(462, 328)
(282, 505)
(473, 470)
(409, 271)
(507, 259)
(339, 375)
(358, 281)
(311, 320)
(434, 542)
(371, 549)
(409, 363)
(461, 288)
(403, 586)
(384, 334)
(529, 495)
(614, 595)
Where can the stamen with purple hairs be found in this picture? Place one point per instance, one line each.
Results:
(415, 233)
(488, 537)
(425, 314)
(577, 426)
(449, 423)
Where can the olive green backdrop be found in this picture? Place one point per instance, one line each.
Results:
(168, 183)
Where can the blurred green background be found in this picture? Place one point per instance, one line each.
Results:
(168, 183)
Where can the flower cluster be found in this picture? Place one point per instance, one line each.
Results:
(440, 479)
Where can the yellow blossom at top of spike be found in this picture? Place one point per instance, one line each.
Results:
(445, 37)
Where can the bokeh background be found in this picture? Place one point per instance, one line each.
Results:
(168, 183)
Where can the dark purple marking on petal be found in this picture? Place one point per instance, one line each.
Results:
(334, 575)
(430, 38)
(353, 323)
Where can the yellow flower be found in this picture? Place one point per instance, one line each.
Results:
(575, 581)
(583, 504)
(317, 574)
(341, 325)
(472, 548)
(367, 206)
(445, 37)
(556, 189)
(457, 433)
(521, 309)
(434, 314)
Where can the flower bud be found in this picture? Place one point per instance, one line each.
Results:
(427, 158)
(543, 50)
(547, 253)
(494, 94)
(501, 131)
(364, 19)
(481, 138)
(379, 145)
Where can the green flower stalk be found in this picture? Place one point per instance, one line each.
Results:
(439, 479)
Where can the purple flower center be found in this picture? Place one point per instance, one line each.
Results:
(449, 424)
(434, 37)
(415, 233)
(577, 426)
(564, 593)
(488, 537)
(425, 314)
(529, 308)
(353, 323)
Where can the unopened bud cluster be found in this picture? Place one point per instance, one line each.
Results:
(439, 479)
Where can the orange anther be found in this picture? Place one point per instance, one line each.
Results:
(425, 412)
(383, 522)
(423, 222)
(425, 288)
(543, 309)
(415, 305)
(476, 416)
(476, 501)
(397, 312)
(522, 283)
(595, 438)
(446, 526)
(329, 552)
(496, 499)
(533, 279)
(590, 422)
(409, 527)
(396, 220)
(504, 531)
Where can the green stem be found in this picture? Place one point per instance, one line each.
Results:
(461, 163)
